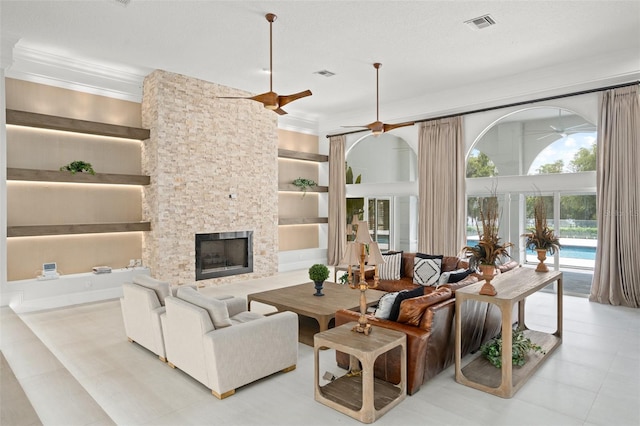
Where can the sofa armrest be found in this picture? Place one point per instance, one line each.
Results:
(245, 352)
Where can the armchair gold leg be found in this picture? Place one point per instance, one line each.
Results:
(171, 364)
(163, 359)
(286, 370)
(130, 339)
(224, 395)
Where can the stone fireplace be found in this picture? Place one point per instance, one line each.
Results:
(214, 167)
(222, 254)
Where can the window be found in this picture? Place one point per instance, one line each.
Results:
(516, 155)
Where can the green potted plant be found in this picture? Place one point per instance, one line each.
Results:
(541, 238)
(521, 345)
(489, 249)
(304, 184)
(78, 166)
(318, 273)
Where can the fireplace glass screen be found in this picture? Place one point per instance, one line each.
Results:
(223, 254)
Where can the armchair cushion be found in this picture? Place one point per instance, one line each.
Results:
(162, 288)
(217, 309)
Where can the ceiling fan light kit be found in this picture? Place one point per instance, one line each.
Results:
(271, 100)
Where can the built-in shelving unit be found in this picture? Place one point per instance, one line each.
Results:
(288, 187)
(302, 220)
(304, 156)
(284, 187)
(42, 121)
(90, 228)
(57, 176)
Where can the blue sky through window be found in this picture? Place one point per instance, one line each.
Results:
(563, 149)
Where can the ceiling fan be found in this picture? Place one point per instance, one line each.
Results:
(378, 127)
(563, 132)
(271, 100)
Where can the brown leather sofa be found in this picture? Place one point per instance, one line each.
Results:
(431, 344)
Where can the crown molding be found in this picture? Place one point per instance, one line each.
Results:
(32, 64)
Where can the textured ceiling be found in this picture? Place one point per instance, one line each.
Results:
(432, 61)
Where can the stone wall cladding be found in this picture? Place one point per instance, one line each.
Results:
(201, 150)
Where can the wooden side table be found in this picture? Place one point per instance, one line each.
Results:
(513, 287)
(362, 397)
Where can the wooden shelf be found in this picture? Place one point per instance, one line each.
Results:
(38, 230)
(302, 220)
(58, 176)
(42, 121)
(304, 156)
(291, 187)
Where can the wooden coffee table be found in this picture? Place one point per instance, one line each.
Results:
(315, 313)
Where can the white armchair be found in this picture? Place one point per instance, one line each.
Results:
(224, 348)
(142, 306)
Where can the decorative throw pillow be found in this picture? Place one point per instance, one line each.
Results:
(390, 270)
(385, 304)
(429, 256)
(412, 310)
(444, 278)
(426, 271)
(217, 309)
(459, 275)
(403, 295)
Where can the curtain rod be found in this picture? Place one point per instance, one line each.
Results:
(514, 104)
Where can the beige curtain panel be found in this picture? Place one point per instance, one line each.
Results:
(441, 187)
(337, 239)
(616, 278)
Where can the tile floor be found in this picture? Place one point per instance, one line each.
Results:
(80, 370)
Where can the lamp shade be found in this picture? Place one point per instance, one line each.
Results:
(375, 257)
(363, 236)
(351, 255)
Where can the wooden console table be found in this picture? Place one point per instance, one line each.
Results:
(362, 396)
(513, 287)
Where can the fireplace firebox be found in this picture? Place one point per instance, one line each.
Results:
(222, 254)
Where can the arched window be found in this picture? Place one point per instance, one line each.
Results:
(542, 151)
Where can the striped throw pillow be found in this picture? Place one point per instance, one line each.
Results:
(390, 270)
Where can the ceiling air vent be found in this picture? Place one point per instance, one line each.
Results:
(325, 73)
(481, 22)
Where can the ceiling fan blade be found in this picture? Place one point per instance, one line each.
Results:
(285, 99)
(546, 136)
(388, 127)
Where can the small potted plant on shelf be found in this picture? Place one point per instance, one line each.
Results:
(489, 249)
(318, 273)
(541, 238)
(304, 184)
(521, 346)
(78, 166)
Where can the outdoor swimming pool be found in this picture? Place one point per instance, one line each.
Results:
(574, 252)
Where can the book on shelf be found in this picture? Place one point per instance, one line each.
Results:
(101, 269)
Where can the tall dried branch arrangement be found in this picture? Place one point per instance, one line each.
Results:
(541, 237)
(489, 248)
